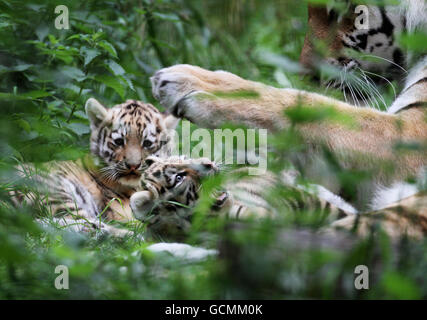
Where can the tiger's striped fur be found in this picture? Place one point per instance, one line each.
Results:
(248, 196)
(169, 190)
(98, 187)
(407, 217)
(170, 186)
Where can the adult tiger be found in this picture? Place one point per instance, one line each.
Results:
(368, 143)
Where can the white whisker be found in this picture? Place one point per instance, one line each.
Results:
(388, 81)
(365, 88)
(392, 62)
(361, 90)
(353, 96)
(366, 85)
(372, 86)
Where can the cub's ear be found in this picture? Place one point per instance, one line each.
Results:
(95, 111)
(170, 121)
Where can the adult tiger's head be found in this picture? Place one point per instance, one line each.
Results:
(170, 190)
(361, 43)
(123, 136)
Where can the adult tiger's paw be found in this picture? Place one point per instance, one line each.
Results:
(175, 86)
(200, 95)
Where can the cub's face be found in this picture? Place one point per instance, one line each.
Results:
(174, 183)
(122, 137)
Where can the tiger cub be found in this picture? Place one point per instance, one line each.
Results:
(168, 191)
(83, 193)
(170, 187)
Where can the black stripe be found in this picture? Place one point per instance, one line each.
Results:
(103, 186)
(238, 212)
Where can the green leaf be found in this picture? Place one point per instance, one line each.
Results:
(282, 79)
(36, 7)
(166, 16)
(108, 47)
(22, 67)
(74, 73)
(5, 25)
(4, 69)
(24, 125)
(11, 96)
(75, 89)
(42, 31)
(17, 68)
(78, 128)
(74, 36)
(112, 82)
(304, 114)
(128, 81)
(80, 114)
(97, 35)
(115, 68)
(89, 54)
(52, 39)
(140, 11)
(35, 94)
(279, 61)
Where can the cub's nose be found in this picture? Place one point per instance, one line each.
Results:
(132, 167)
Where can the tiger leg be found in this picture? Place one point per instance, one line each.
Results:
(195, 94)
(213, 98)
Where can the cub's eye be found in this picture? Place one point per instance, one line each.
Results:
(179, 177)
(147, 144)
(119, 142)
